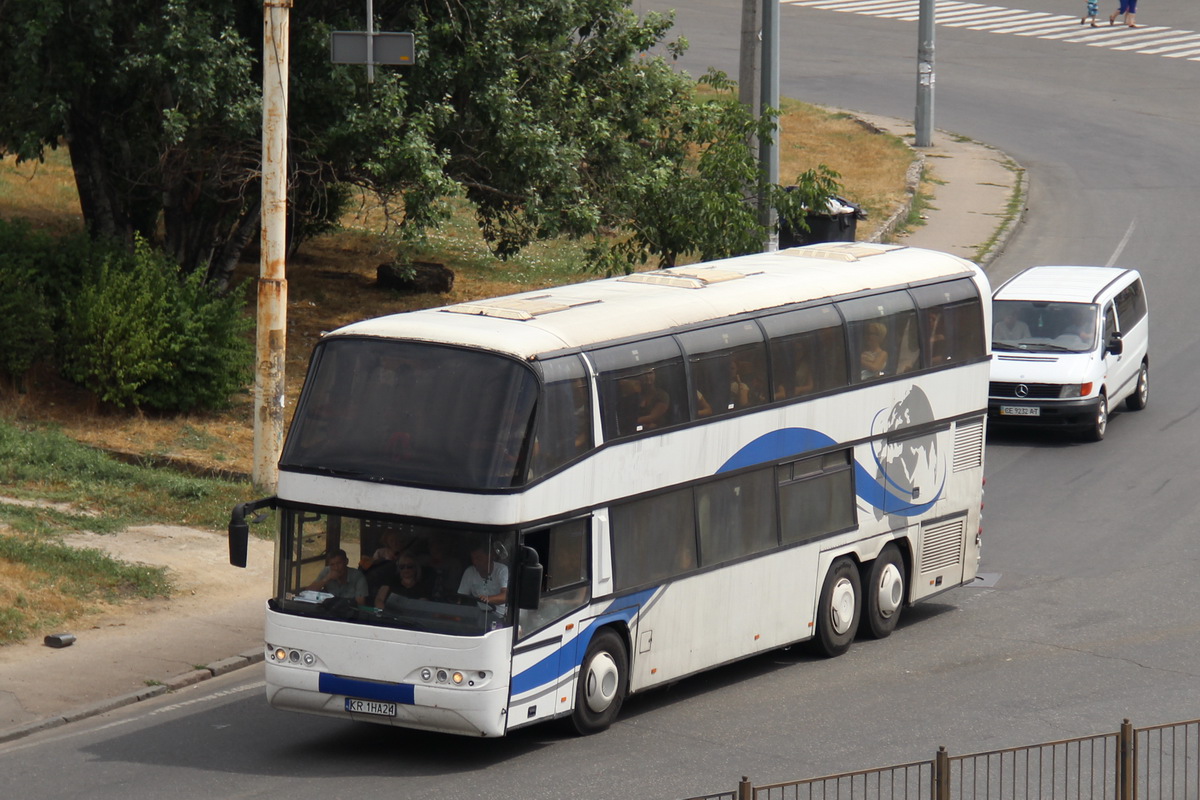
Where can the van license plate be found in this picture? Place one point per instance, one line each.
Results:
(1020, 411)
(370, 707)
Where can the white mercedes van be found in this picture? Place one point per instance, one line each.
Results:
(1068, 345)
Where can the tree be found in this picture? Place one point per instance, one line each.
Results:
(548, 115)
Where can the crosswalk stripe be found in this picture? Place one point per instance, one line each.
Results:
(1150, 40)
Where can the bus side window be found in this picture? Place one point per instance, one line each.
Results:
(883, 337)
(563, 423)
(728, 366)
(642, 387)
(653, 539)
(563, 551)
(952, 321)
(808, 352)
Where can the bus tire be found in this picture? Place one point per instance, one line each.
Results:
(884, 583)
(603, 680)
(839, 609)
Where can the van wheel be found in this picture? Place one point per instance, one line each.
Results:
(883, 584)
(602, 682)
(1137, 400)
(1095, 432)
(839, 609)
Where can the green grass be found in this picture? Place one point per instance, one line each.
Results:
(55, 487)
(84, 572)
(43, 463)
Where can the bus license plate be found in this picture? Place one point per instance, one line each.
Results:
(1020, 411)
(370, 707)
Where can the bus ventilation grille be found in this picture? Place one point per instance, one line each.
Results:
(942, 545)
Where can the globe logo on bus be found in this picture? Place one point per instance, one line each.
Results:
(909, 470)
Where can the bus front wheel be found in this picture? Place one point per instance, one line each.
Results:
(603, 680)
(839, 609)
(883, 580)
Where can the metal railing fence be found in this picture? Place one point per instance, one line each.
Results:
(1160, 762)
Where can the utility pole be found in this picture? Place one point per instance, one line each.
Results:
(768, 150)
(271, 339)
(749, 58)
(923, 123)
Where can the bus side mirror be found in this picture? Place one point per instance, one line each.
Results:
(239, 529)
(529, 579)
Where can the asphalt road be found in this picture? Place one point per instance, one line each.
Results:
(1092, 613)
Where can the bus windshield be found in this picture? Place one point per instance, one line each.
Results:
(413, 412)
(394, 574)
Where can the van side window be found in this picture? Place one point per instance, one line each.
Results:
(951, 322)
(729, 368)
(1131, 305)
(883, 334)
(1110, 323)
(808, 352)
(642, 386)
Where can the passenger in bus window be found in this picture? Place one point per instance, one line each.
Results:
(874, 358)
(908, 355)
(754, 375)
(443, 571)
(653, 404)
(629, 401)
(739, 390)
(939, 346)
(486, 581)
(406, 580)
(339, 579)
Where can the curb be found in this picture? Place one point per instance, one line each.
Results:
(216, 668)
(912, 183)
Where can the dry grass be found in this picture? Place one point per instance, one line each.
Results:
(331, 282)
(30, 599)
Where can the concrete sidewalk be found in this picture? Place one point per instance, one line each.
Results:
(978, 194)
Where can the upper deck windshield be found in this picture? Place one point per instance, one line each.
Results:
(395, 574)
(414, 412)
(1039, 326)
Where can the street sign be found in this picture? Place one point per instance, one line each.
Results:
(350, 47)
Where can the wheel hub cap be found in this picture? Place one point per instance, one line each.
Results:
(891, 591)
(602, 680)
(841, 610)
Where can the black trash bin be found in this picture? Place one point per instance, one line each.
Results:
(838, 223)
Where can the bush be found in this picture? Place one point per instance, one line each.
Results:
(135, 334)
(208, 355)
(26, 319)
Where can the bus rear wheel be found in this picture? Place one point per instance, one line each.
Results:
(602, 683)
(839, 608)
(883, 580)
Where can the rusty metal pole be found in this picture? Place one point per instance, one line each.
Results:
(271, 340)
(941, 775)
(1126, 762)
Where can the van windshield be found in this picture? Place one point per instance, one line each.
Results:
(1035, 325)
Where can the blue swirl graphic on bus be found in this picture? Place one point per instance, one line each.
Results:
(777, 446)
(554, 666)
(903, 465)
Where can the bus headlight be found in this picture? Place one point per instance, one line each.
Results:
(291, 655)
(452, 677)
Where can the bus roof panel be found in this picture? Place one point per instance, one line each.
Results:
(583, 314)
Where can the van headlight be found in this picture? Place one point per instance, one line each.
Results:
(1070, 390)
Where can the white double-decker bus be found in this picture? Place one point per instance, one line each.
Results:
(558, 498)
